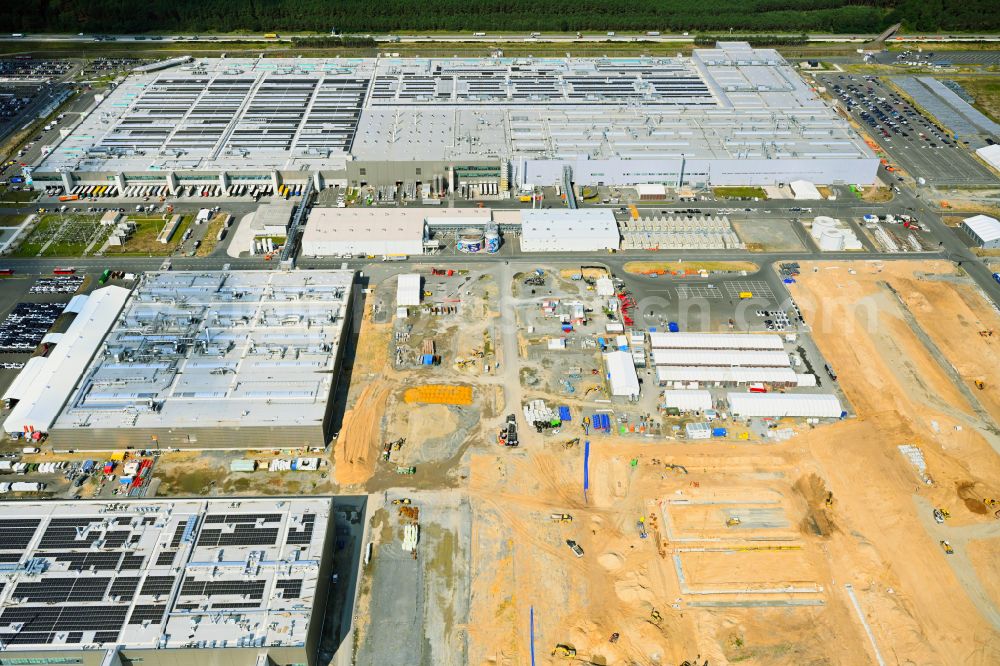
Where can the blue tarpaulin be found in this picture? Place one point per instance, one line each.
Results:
(427, 359)
(718, 432)
(586, 465)
(673, 327)
(564, 413)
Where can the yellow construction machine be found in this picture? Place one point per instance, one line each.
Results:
(733, 521)
(563, 650)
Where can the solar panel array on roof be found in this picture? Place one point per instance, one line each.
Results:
(76, 594)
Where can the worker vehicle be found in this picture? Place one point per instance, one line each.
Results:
(66, 270)
(733, 521)
(980, 384)
(575, 547)
(746, 294)
(939, 516)
(561, 517)
(948, 550)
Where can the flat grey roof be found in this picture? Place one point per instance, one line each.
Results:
(217, 349)
(316, 114)
(159, 573)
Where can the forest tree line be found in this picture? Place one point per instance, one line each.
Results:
(387, 16)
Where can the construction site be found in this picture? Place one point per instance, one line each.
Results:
(530, 513)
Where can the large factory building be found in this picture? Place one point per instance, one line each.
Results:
(209, 359)
(731, 115)
(234, 582)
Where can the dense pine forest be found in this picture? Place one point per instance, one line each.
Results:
(386, 16)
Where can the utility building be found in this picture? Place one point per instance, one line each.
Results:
(983, 230)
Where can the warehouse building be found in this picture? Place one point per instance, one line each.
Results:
(687, 401)
(715, 341)
(40, 400)
(211, 359)
(622, 377)
(165, 582)
(721, 357)
(562, 230)
(673, 375)
(730, 115)
(779, 405)
(983, 230)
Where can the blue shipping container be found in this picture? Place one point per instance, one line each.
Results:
(788, 281)
(718, 432)
(88, 466)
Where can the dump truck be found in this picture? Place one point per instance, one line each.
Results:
(948, 550)
(575, 547)
(560, 517)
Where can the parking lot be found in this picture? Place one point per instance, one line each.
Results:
(917, 143)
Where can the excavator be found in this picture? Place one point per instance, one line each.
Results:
(733, 521)
(404, 501)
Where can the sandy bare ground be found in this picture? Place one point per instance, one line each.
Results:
(836, 505)
(904, 394)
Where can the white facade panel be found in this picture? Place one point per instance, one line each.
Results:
(546, 230)
(715, 357)
(715, 341)
(688, 401)
(820, 405)
(621, 374)
(666, 374)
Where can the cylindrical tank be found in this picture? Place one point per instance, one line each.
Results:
(832, 240)
(470, 240)
(492, 239)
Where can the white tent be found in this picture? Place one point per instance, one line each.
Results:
(621, 374)
(824, 405)
(803, 190)
(408, 290)
(990, 155)
(688, 401)
(605, 287)
(984, 230)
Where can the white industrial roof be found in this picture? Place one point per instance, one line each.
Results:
(22, 383)
(556, 224)
(687, 401)
(361, 223)
(215, 349)
(621, 374)
(986, 228)
(161, 574)
(40, 405)
(76, 303)
(991, 155)
(716, 357)
(650, 189)
(824, 405)
(803, 189)
(408, 289)
(726, 375)
(605, 287)
(730, 102)
(714, 341)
